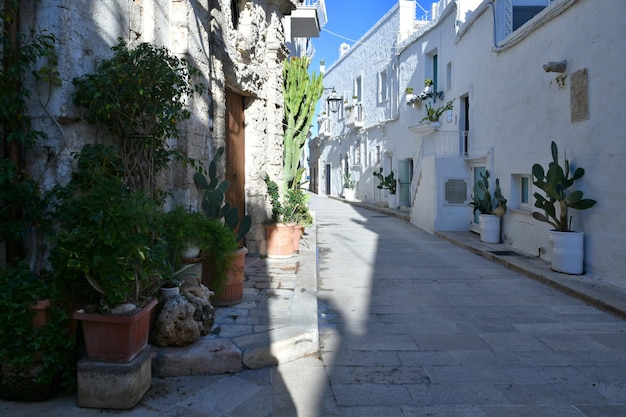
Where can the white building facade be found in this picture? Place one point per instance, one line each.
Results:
(488, 59)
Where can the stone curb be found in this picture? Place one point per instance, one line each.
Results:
(294, 337)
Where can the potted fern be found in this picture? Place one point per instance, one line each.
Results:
(567, 245)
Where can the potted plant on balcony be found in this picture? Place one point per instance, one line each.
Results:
(388, 182)
(567, 246)
(106, 252)
(433, 114)
(349, 186)
(428, 86)
(409, 95)
(490, 209)
(228, 291)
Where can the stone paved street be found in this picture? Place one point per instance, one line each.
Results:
(410, 325)
(414, 326)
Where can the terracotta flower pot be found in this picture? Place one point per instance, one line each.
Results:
(279, 240)
(231, 291)
(115, 338)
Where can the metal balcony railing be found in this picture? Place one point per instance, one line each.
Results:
(447, 143)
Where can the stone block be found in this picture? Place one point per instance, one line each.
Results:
(204, 357)
(114, 385)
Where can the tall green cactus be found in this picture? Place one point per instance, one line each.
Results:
(555, 184)
(301, 92)
(213, 205)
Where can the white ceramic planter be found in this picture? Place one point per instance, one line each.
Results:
(566, 251)
(489, 228)
(392, 201)
(169, 292)
(349, 194)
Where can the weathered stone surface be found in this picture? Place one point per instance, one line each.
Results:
(182, 319)
(175, 324)
(204, 357)
(114, 385)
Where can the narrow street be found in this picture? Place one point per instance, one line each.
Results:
(411, 325)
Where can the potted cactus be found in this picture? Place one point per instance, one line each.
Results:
(567, 246)
(490, 209)
(387, 182)
(229, 291)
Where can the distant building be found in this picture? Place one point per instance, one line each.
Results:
(488, 58)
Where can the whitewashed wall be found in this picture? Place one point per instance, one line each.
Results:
(515, 110)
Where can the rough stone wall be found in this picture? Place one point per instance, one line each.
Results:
(247, 60)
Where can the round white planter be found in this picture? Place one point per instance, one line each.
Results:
(566, 251)
(169, 292)
(349, 194)
(489, 228)
(392, 200)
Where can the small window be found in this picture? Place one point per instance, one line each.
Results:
(378, 154)
(525, 190)
(521, 192)
(357, 152)
(357, 88)
(449, 76)
(382, 86)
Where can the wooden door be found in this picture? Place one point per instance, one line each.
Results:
(235, 151)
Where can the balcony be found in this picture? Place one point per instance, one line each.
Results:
(323, 127)
(354, 115)
(307, 19)
(446, 143)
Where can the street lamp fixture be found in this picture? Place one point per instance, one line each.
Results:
(334, 101)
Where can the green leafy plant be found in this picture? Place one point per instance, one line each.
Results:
(387, 182)
(108, 236)
(348, 182)
(21, 207)
(293, 208)
(409, 90)
(214, 194)
(482, 200)
(34, 357)
(428, 82)
(433, 115)
(139, 95)
(556, 183)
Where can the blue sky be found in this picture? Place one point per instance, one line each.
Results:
(350, 19)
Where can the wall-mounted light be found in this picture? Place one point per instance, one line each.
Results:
(555, 66)
(333, 100)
